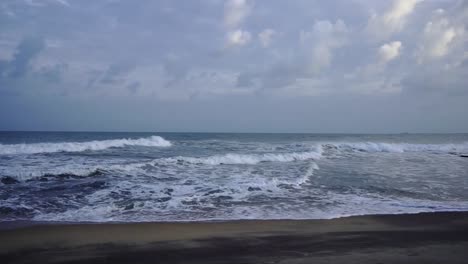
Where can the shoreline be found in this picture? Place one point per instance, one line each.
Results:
(15, 224)
(426, 236)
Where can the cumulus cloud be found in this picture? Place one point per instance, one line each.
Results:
(389, 51)
(300, 71)
(266, 36)
(437, 39)
(393, 20)
(235, 11)
(202, 51)
(322, 41)
(441, 54)
(238, 37)
(329, 54)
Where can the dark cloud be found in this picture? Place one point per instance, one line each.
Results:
(116, 73)
(54, 73)
(14, 73)
(246, 79)
(26, 51)
(133, 87)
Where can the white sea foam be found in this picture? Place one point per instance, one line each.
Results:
(24, 174)
(11, 149)
(401, 147)
(248, 159)
(175, 210)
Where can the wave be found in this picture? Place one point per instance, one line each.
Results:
(79, 170)
(34, 148)
(50, 176)
(248, 159)
(399, 147)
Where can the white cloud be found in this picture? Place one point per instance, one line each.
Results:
(63, 2)
(45, 2)
(393, 20)
(33, 3)
(389, 51)
(235, 11)
(328, 50)
(266, 36)
(238, 37)
(438, 37)
(324, 38)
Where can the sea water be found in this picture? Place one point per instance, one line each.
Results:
(133, 177)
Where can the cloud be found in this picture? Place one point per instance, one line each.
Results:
(393, 20)
(176, 69)
(40, 3)
(235, 11)
(439, 35)
(25, 74)
(441, 55)
(300, 71)
(52, 73)
(116, 73)
(389, 51)
(63, 2)
(320, 43)
(246, 79)
(133, 87)
(26, 51)
(266, 37)
(214, 50)
(238, 38)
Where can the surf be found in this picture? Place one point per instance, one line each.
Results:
(95, 145)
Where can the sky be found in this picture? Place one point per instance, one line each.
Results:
(339, 66)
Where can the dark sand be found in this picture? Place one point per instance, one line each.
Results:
(418, 238)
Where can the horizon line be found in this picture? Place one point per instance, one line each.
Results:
(224, 132)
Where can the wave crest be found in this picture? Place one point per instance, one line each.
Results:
(399, 147)
(249, 159)
(34, 148)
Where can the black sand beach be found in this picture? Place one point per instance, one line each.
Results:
(416, 238)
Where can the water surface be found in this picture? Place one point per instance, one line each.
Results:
(55, 176)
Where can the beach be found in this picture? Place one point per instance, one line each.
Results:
(440, 237)
(233, 131)
(96, 197)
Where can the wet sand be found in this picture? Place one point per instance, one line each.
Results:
(416, 238)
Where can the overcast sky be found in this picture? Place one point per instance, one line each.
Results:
(236, 65)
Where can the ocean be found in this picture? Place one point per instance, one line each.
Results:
(139, 177)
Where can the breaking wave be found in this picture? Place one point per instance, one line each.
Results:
(153, 141)
(400, 147)
(248, 159)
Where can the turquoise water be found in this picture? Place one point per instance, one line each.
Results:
(57, 176)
